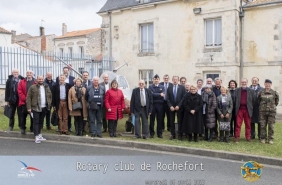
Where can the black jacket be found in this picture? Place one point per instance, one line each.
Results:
(135, 102)
(181, 92)
(11, 93)
(71, 80)
(50, 84)
(56, 95)
(156, 92)
(84, 84)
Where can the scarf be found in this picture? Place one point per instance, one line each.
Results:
(78, 92)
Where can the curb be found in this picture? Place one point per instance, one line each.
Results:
(153, 147)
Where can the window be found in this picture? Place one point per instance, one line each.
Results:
(146, 75)
(213, 32)
(211, 75)
(70, 52)
(81, 51)
(81, 70)
(147, 38)
(146, 1)
(62, 52)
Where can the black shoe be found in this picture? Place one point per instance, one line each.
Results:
(253, 137)
(145, 137)
(210, 140)
(221, 140)
(10, 128)
(160, 136)
(226, 140)
(168, 129)
(137, 137)
(180, 138)
(205, 139)
(76, 133)
(151, 136)
(22, 131)
(231, 135)
(93, 135)
(104, 131)
(100, 136)
(70, 130)
(172, 137)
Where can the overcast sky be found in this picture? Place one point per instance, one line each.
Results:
(25, 16)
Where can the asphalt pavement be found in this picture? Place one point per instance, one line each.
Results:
(78, 163)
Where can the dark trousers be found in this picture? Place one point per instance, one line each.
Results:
(112, 127)
(24, 113)
(233, 123)
(14, 107)
(142, 114)
(167, 114)
(95, 121)
(69, 122)
(179, 122)
(195, 136)
(216, 125)
(253, 130)
(105, 123)
(38, 119)
(158, 112)
(78, 123)
(207, 129)
(48, 118)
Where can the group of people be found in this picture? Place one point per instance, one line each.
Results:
(209, 110)
(81, 98)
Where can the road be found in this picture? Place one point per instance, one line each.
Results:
(71, 163)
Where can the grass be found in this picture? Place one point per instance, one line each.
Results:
(255, 148)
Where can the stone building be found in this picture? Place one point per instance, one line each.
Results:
(5, 37)
(81, 42)
(194, 38)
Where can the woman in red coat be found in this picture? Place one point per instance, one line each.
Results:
(114, 103)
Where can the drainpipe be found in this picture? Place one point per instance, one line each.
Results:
(241, 15)
(110, 37)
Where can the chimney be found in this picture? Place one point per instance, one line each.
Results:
(13, 36)
(64, 29)
(42, 31)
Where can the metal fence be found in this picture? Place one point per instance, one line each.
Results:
(25, 59)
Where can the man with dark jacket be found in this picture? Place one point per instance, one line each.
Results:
(166, 84)
(12, 97)
(255, 118)
(23, 87)
(86, 82)
(244, 99)
(158, 107)
(175, 96)
(39, 98)
(60, 103)
(106, 86)
(141, 105)
(48, 81)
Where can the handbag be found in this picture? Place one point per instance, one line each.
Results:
(93, 106)
(8, 111)
(77, 105)
(54, 118)
(224, 126)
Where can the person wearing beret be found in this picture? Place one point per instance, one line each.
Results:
(158, 93)
(268, 99)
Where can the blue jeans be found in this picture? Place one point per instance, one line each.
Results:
(95, 120)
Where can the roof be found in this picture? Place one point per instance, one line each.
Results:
(258, 2)
(78, 33)
(119, 4)
(2, 30)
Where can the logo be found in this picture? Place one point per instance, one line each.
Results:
(27, 171)
(251, 171)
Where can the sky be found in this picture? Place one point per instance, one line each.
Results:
(24, 16)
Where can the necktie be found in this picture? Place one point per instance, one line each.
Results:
(174, 93)
(142, 98)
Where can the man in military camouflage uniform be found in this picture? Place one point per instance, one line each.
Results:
(268, 100)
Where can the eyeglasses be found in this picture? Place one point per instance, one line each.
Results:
(141, 83)
(182, 81)
(166, 78)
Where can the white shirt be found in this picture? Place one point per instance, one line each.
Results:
(67, 80)
(143, 91)
(42, 96)
(106, 87)
(199, 91)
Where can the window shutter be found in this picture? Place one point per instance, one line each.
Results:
(209, 32)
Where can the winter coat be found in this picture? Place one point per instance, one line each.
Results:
(255, 117)
(33, 99)
(114, 100)
(22, 91)
(72, 99)
(11, 94)
(210, 110)
(192, 123)
(228, 109)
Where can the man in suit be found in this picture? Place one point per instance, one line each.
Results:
(183, 81)
(166, 84)
(60, 103)
(106, 86)
(200, 86)
(245, 99)
(255, 118)
(70, 80)
(158, 107)
(175, 97)
(86, 82)
(141, 105)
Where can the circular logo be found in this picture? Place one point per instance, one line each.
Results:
(251, 171)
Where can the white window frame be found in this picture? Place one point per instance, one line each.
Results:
(210, 73)
(150, 79)
(213, 31)
(70, 52)
(140, 28)
(81, 51)
(61, 52)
